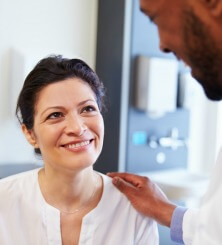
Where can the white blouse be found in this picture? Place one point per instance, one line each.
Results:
(26, 218)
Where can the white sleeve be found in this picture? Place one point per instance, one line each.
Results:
(190, 219)
(209, 229)
(146, 231)
(205, 226)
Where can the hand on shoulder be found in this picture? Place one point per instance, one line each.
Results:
(145, 196)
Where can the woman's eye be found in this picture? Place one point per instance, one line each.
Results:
(55, 115)
(89, 109)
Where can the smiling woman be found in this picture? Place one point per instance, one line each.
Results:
(67, 121)
(66, 201)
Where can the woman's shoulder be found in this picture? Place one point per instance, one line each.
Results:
(120, 210)
(108, 185)
(111, 195)
(18, 181)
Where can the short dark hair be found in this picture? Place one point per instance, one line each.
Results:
(49, 70)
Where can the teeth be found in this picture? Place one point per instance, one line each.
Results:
(72, 146)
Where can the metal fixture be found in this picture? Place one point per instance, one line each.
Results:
(172, 141)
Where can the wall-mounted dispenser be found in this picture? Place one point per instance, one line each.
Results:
(156, 85)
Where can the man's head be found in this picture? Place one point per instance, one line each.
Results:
(192, 31)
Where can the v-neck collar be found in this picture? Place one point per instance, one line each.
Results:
(51, 217)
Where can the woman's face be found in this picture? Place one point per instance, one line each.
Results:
(68, 126)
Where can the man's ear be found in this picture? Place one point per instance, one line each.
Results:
(215, 6)
(30, 136)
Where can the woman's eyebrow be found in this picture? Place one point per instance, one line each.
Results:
(52, 107)
(85, 101)
(62, 108)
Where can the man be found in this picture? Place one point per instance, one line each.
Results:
(192, 30)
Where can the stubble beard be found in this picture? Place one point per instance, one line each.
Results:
(204, 55)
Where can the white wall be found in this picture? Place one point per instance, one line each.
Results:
(31, 30)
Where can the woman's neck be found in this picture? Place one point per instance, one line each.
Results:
(69, 192)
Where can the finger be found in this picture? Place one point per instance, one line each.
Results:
(133, 179)
(123, 186)
(119, 174)
(126, 176)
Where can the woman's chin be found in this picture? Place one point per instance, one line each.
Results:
(78, 166)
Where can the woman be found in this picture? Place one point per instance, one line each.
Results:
(66, 202)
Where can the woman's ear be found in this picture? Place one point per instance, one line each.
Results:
(30, 136)
(215, 6)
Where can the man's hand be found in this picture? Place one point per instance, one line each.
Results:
(145, 196)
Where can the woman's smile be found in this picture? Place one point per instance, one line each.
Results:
(78, 146)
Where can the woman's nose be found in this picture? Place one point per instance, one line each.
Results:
(75, 125)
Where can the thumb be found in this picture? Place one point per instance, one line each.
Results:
(123, 186)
